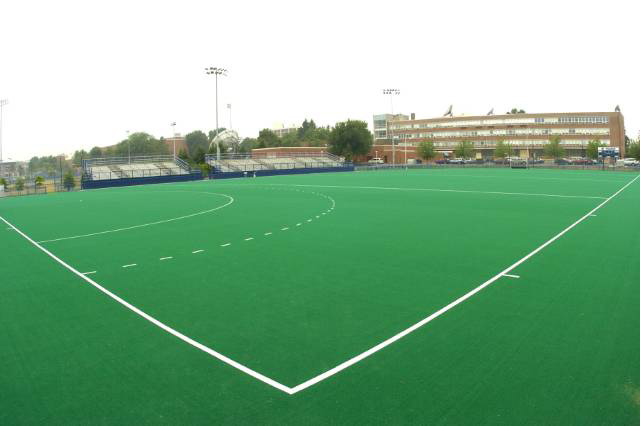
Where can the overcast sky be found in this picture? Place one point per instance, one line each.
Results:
(80, 74)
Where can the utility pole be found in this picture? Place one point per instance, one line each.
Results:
(216, 72)
(173, 133)
(391, 93)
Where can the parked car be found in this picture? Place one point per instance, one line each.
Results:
(561, 161)
(456, 161)
(442, 161)
(631, 162)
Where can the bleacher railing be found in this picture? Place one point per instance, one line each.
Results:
(122, 174)
(219, 168)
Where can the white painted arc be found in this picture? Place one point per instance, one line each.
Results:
(231, 200)
(154, 321)
(456, 302)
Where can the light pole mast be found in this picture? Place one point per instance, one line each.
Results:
(391, 93)
(129, 146)
(3, 102)
(173, 133)
(216, 71)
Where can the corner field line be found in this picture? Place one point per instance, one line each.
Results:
(154, 321)
(448, 190)
(451, 305)
(511, 276)
(130, 265)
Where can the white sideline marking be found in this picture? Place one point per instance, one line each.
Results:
(89, 273)
(197, 251)
(231, 200)
(511, 276)
(343, 365)
(451, 305)
(225, 245)
(284, 229)
(268, 233)
(166, 258)
(154, 321)
(446, 190)
(130, 265)
(248, 239)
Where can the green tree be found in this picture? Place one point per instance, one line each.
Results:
(183, 155)
(554, 149)
(248, 144)
(426, 150)
(350, 138)
(268, 139)
(19, 184)
(634, 150)
(502, 150)
(290, 139)
(516, 111)
(3, 182)
(306, 130)
(195, 142)
(464, 149)
(69, 181)
(39, 180)
(96, 152)
(140, 143)
(592, 148)
(198, 156)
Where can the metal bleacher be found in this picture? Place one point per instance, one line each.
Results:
(97, 169)
(230, 163)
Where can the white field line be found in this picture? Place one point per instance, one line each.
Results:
(309, 220)
(231, 200)
(285, 229)
(197, 251)
(89, 273)
(248, 239)
(448, 190)
(268, 233)
(130, 265)
(154, 321)
(166, 258)
(451, 305)
(298, 224)
(511, 276)
(225, 245)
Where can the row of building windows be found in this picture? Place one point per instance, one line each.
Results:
(504, 121)
(581, 143)
(502, 132)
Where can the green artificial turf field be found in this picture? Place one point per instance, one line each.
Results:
(254, 301)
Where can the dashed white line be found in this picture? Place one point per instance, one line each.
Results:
(309, 220)
(197, 251)
(511, 276)
(225, 245)
(284, 229)
(317, 217)
(89, 273)
(298, 224)
(594, 215)
(166, 258)
(130, 265)
(248, 239)
(268, 233)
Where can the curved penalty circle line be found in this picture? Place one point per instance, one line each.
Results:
(231, 200)
(154, 321)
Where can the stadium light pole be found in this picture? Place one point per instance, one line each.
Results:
(229, 108)
(173, 133)
(129, 146)
(391, 93)
(3, 102)
(216, 72)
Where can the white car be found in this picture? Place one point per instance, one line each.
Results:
(631, 162)
(376, 161)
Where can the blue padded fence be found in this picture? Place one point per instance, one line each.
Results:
(274, 172)
(106, 183)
